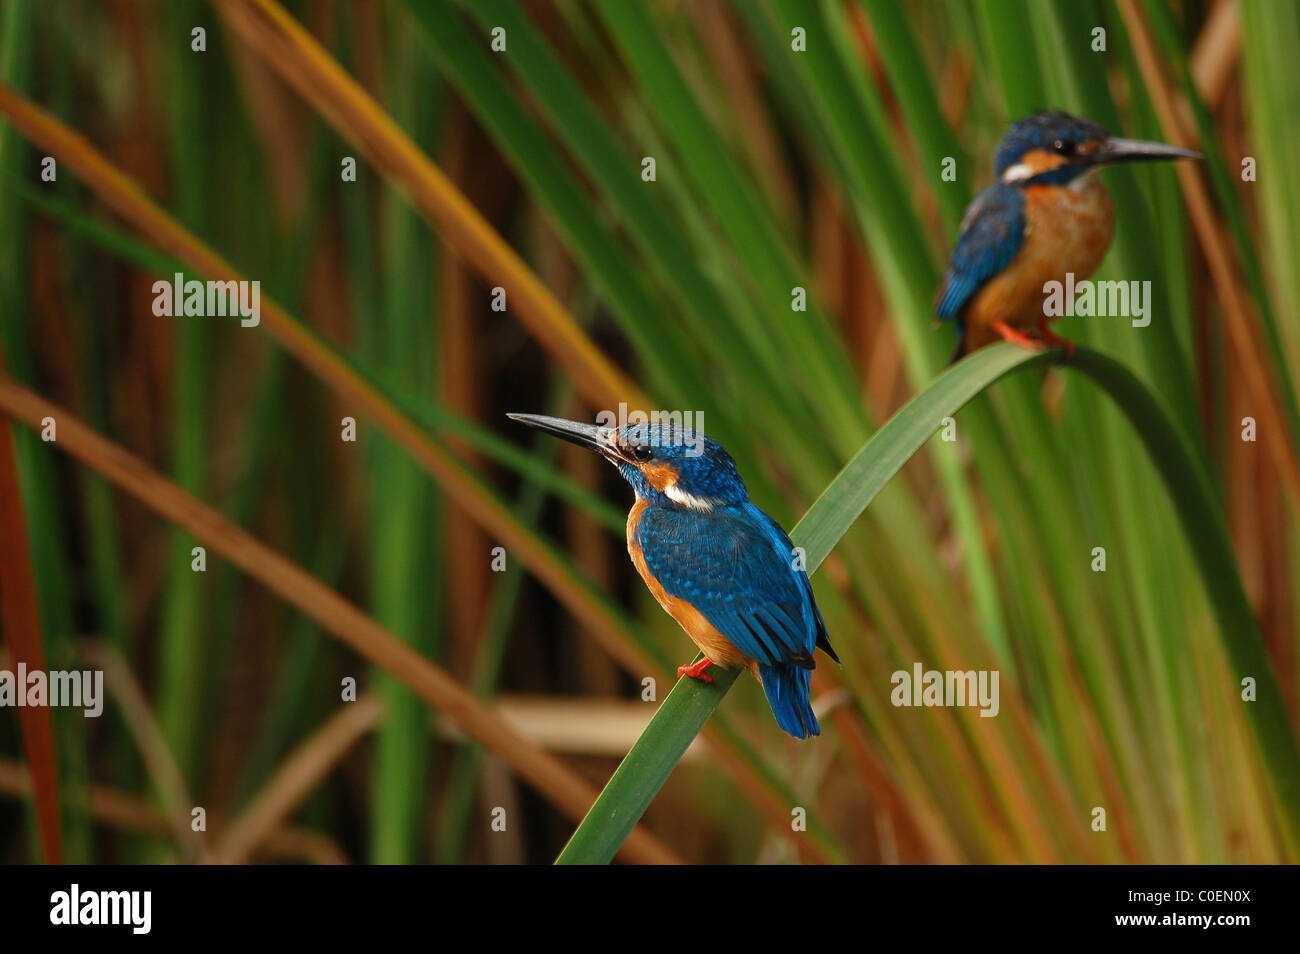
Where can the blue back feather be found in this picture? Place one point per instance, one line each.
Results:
(737, 567)
(991, 235)
(730, 565)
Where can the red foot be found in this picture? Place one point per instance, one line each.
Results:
(696, 670)
(1016, 337)
(1055, 340)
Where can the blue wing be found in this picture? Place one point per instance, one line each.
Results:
(736, 566)
(991, 235)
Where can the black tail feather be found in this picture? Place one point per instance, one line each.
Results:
(824, 644)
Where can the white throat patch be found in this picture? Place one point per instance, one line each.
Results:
(679, 496)
(1017, 172)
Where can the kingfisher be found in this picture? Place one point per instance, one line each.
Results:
(1047, 215)
(719, 566)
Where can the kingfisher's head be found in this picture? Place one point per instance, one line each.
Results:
(668, 465)
(1056, 149)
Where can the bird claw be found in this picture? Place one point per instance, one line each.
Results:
(1017, 337)
(1047, 338)
(696, 670)
(1053, 340)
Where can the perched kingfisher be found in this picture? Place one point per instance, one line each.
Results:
(1047, 215)
(717, 564)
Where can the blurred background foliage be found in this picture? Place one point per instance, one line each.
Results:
(776, 168)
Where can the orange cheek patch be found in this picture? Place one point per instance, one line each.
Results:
(660, 475)
(1040, 160)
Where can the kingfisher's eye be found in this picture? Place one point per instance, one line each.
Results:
(639, 452)
(1063, 147)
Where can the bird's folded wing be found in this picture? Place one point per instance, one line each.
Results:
(728, 567)
(991, 235)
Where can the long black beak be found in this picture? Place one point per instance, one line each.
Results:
(599, 439)
(1132, 150)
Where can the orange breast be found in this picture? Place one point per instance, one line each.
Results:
(1066, 230)
(711, 642)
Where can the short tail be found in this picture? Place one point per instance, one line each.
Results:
(787, 693)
